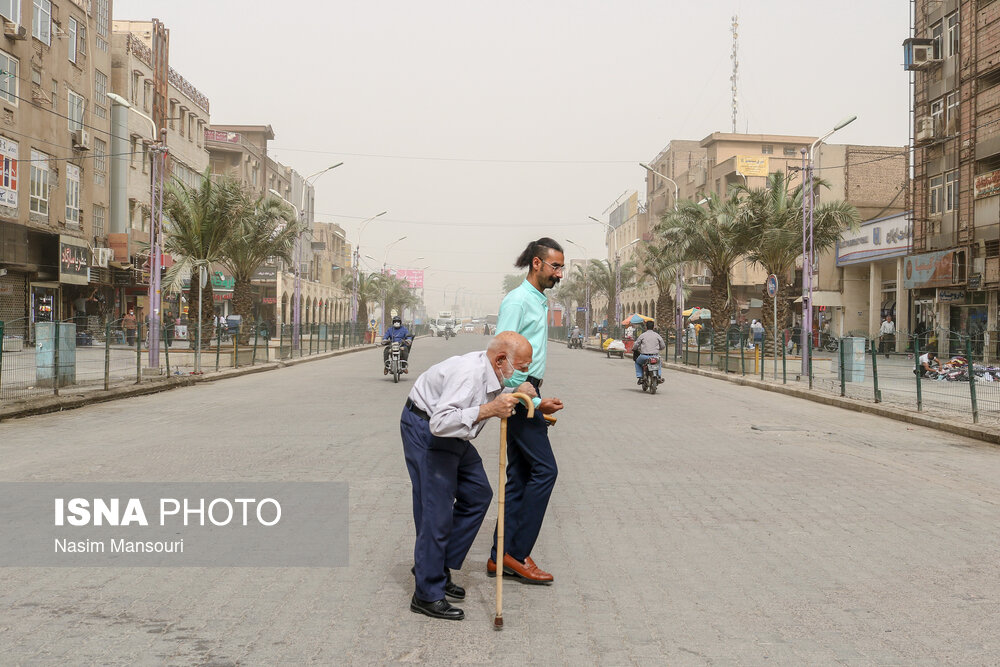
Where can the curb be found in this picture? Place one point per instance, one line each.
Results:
(975, 431)
(51, 404)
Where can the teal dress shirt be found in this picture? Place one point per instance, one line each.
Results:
(525, 311)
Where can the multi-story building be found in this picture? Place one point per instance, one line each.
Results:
(872, 178)
(187, 113)
(240, 151)
(954, 272)
(55, 60)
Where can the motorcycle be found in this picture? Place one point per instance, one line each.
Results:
(448, 332)
(650, 374)
(396, 364)
(576, 342)
(831, 344)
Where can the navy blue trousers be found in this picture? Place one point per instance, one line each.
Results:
(531, 476)
(450, 497)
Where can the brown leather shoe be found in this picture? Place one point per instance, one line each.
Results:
(527, 571)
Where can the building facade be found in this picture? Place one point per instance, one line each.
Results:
(55, 59)
(953, 56)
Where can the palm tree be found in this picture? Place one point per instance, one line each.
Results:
(511, 281)
(397, 293)
(265, 227)
(569, 293)
(770, 227)
(708, 234)
(197, 224)
(660, 262)
(602, 279)
(369, 291)
(582, 276)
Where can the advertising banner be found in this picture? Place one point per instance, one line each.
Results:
(987, 184)
(8, 173)
(74, 264)
(876, 239)
(752, 165)
(932, 269)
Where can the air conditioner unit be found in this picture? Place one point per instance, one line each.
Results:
(102, 256)
(924, 127)
(14, 31)
(81, 139)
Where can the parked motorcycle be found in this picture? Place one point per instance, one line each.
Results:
(650, 374)
(831, 344)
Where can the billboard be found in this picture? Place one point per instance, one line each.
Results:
(414, 277)
(876, 239)
(751, 165)
(931, 269)
(625, 211)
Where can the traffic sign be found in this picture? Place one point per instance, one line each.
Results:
(772, 285)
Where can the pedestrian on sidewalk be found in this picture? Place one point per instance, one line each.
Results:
(887, 336)
(129, 324)
(447, 407)
(531, 465)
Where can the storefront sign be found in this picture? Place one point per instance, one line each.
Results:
(932, 269)
(877, 239)
(269, 300)
(74, 267)
(265, 273)
(988, 184)
(751, 165)
(223, 137)
(122, 278)
(950, 295)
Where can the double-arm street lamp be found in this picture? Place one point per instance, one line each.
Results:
(808, 246)
(679, 291)
(158, 151)
(354, 267)
(586, 284)
(618, 268)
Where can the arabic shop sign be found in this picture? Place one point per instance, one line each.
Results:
(877, 239)
(74, 267)
(751, 165)
(931, 269)
(988, 184)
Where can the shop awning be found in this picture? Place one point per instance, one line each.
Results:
(827, 299)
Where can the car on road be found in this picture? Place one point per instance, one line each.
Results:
(469, 328)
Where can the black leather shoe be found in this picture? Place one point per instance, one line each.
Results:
(437, 609)
(453, 590)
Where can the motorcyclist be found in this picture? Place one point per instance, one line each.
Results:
(396, 334)
(576, 335)
(648, 343)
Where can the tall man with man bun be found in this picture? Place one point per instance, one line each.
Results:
(531, 465)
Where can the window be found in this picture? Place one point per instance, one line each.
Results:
(100, 94)
(936, 195)
(36, 76)
(100, 160)
(952, 20)
(41, 24)
(147, 94)
(133, 146)
(951, 112)
(71, 39)
(99, 214)
(767, 149)
(937, 115)
(72, 195)
(937, 32)
(145, 156)
(81, 38)
(11, 10)
(8, 172)
(180, 118)
(8, 79)
(951, 190)
(135, 87)
(101, 13)
(791, 151)
(74, 110)
(191, 127)
(55, 93)
(39, 186)
(172, 114)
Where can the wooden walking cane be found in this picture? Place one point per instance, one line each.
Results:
(501, 550)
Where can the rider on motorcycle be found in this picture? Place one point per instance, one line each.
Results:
(648, 343)
(396, 334)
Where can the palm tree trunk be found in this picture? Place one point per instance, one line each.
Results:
(243, 306)
(718, 301)
(664, 310)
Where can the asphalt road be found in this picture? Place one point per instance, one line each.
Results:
(708, 524)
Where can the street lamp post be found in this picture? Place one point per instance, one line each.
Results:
(385, 287)
(586, 285)
(808, 244)
(679, 289)
(297, 295)
(157, 154)
(357, 259)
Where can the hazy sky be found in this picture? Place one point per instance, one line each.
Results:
(480, 126)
